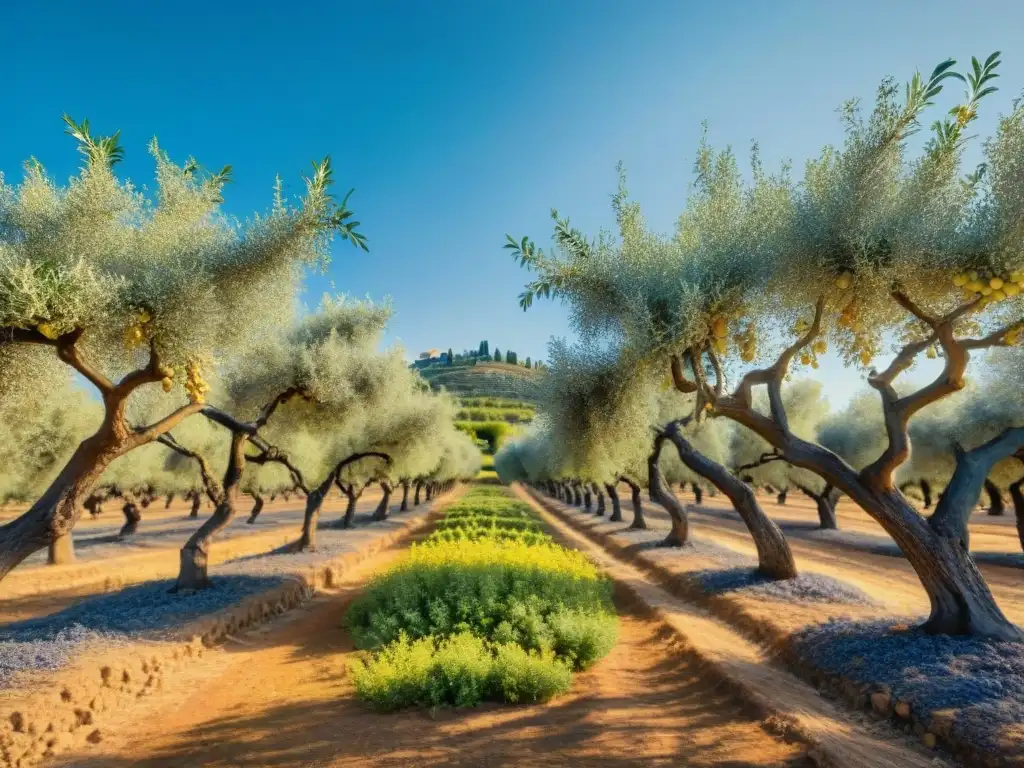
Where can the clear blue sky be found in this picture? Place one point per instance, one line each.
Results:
(459, 121)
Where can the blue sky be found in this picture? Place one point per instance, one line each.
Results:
(459, 121)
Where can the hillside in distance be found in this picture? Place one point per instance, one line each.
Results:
(485, 380)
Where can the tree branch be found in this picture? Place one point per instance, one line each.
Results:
(964, 489)
(273, 455)
(742, 398)
(268, 410)
(765, 458)
(151, 373)
(145, 435)
(213, 488)
(679, 379)
(228, 421)
(899, 410)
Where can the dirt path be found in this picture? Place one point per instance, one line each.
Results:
(283, 699)
(843, 739)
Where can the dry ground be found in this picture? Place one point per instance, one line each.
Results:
(283, 699)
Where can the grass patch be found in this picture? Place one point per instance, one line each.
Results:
(488, 607)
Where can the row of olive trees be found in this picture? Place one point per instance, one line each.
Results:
(765, 274)
(169, 309)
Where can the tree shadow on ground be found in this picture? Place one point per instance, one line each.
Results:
(650, 706)
(139, 610)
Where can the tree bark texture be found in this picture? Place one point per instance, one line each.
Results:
(194, 559)
(61, 550)
(600, 499)
(405, 496)
(416, 495)
(381, 513)
(197, 501)
(639, 522)
(774, 557)
(781, 498)
(661, 494)
(698, 493)
(588, 501)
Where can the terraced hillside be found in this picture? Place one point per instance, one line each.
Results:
(494, 380)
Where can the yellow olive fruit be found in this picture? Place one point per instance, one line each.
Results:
(1012, 336)
(931, 353)
(986, 290)
(973, 275)
(995, 283)
(166, 383)
(998, 295)
(960, 280)
(820, 346)
(844, 281)
(805, 358)
(720, 326)
(48, 331)
(144, 317)
(974, 286)
(814, 363)
(1011, 290)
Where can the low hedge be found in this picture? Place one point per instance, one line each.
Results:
(488, 607)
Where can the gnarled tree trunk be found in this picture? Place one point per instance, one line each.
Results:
(775, 560)
(639, 522)
(588, 502)
(257, 507)
(381, 513)
(194, 559)
(405, 496)
(55, 513)
(168, 501)
(826, 502)
(781, 498)
(416, 495)
(613, 496)
(600, 499)
(61, 550)
(660, 493)
(132, 517)
(197, 500)
(315, 499)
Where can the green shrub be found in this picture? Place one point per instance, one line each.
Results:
(459, 671)
(582, 637)
(487, 607)
(521, 677)
(445, 587)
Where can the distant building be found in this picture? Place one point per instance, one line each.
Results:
(431, 357)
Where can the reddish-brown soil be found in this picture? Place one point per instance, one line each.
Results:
(283, 699)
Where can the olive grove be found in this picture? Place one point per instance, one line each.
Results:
(877, 242)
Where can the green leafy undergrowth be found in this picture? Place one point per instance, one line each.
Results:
(488, 607)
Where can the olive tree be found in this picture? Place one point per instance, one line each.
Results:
(871, 243)
(598, 422)
(753, 457)
(131, 292)
(653, 296)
